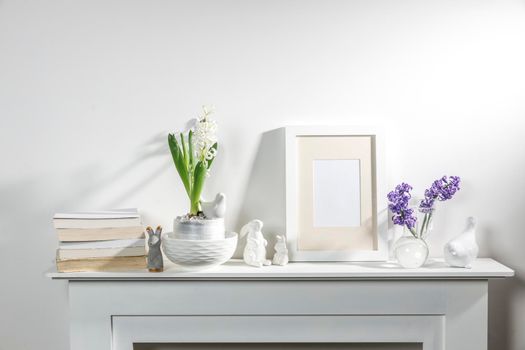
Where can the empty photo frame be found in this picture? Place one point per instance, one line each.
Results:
(335, 208)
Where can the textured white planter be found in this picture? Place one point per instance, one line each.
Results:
(199, 254)
(198, 229)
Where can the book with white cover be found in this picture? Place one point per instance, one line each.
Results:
(104, 214)
(98, 219)
(116, 243)
(101, 249)
(96, 223)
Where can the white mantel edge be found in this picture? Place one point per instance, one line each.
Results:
(484, 268)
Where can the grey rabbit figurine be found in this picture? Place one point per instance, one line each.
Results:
(155, 262)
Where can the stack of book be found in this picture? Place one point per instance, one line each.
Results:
(100, 241)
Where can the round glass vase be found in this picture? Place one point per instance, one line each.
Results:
(411, 250)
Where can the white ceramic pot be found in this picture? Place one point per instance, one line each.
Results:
(198, 229)
(199, 254)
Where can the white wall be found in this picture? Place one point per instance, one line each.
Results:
(89, 89)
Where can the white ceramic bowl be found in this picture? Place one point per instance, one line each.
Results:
(199, 254)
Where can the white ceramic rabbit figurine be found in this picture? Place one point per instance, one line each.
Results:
(281, 252)
(463, 249)
(255, 250)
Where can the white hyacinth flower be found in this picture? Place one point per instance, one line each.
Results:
(204, 137)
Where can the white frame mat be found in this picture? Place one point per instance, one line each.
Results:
(380, 251)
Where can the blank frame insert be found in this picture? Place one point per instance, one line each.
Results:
(337, 199)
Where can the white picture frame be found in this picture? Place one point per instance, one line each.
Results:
(379, 250)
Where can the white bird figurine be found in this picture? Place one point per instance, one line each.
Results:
(255, 250)
(216, 208)
(462, 250)
(281, 252)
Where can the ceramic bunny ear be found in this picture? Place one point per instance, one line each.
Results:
(149, 230)
(254, 225)
(244, 230)
(158, 231)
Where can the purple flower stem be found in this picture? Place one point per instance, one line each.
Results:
(428, 220)
(422, 228)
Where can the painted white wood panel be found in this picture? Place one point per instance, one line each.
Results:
(428, 330)
(96, 306)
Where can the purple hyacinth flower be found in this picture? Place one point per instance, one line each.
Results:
(398, 205)
(442, 189)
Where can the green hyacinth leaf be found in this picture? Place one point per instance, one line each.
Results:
(215, 145)
(178, 160)
(185, 151)
(199, 177)
(190, 150)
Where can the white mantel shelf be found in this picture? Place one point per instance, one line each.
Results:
(237, 270)
(440, 307)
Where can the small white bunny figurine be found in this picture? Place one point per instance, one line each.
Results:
(255, 250)
(281, 252)
(463, 249)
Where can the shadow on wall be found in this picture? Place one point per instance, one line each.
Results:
(503, 298)
(97, 180)
(154, 147)
(264, 197)
(23, 200)
(29, 243)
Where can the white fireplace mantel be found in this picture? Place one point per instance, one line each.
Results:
(437, 306)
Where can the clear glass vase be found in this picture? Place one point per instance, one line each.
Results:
(411, 250)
